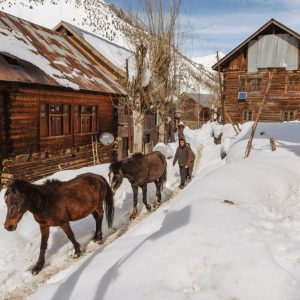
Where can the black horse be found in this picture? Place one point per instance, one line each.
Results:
(140, 169)
(55, 203)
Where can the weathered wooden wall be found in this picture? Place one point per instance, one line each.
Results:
(193, 114)
(31, 156)
(278, 100)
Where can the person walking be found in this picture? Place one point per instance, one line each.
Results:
(182, 156)
(191, 161)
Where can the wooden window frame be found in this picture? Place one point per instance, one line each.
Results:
(291, 86)
(60, 111)
(248, 85)
(85, 112)
(289, 113)
(247, 119)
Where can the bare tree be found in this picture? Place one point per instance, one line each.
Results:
(158, 69)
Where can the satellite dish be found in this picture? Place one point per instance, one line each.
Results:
(106, 139)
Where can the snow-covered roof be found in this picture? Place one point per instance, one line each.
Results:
(113, 55)
(45, 57)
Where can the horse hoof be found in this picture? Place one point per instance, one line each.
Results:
(132, 218)
(36, 270)
(98, 241)
(149, 208)
(156, 205)
(77, 253)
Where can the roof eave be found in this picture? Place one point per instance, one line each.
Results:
(227, 57)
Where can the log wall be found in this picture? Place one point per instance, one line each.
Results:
(278, 100)
(30, 156)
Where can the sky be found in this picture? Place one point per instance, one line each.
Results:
(223, 24)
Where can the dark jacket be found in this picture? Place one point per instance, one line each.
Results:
(182, 155)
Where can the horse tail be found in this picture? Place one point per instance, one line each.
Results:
(163, 177)
(109, 204)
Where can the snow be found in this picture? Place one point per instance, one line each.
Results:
(208, 60)
(194, 246)
(195, 77)
(17, 44)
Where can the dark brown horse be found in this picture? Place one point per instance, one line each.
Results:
(140, 169)
(55, 203)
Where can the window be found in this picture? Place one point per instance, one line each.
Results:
(147, 138)
(251, 84)
(293, 83)
(288, 115)
(85, 119)
(247, 116)
(55, 120)
(242, 85)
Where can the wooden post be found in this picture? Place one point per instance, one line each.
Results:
(129, 131)
(96, 150)
(93, 150)
(129, 111)
(249, 145)
(221, 90)
(272, 143)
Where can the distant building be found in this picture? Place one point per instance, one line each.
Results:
(53, 101)
(272, 49)
(194, 109)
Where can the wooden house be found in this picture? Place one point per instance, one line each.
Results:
(53, 101)
(194, 109)
(116, 61)
(271, 52)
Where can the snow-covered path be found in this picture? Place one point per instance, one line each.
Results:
(197, 246)
(59, 254)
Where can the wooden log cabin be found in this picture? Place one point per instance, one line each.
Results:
(194, 109)
(272, 51)
(53, 101)
(115, 61)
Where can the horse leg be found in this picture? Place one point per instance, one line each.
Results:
(158, 193)
(135, 199)
(144, 189)
(98, 218)
(44, 241)
(68, 231)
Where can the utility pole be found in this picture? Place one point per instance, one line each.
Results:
(221, 90)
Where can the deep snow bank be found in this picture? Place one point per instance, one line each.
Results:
(20, 249)
(197, 246)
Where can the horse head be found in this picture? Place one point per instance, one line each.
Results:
(115, 175)
(16, 205)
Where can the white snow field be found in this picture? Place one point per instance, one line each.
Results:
(195, 246)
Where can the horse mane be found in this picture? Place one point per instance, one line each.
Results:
(115, 166)
(37, 194)
(138, 155)
(52, 183)
(18, 185)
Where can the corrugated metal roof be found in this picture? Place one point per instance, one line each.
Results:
(34, 54)
(227, 58)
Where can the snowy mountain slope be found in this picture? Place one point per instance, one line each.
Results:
(208, 61)
(196, 78)
(53, 11)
